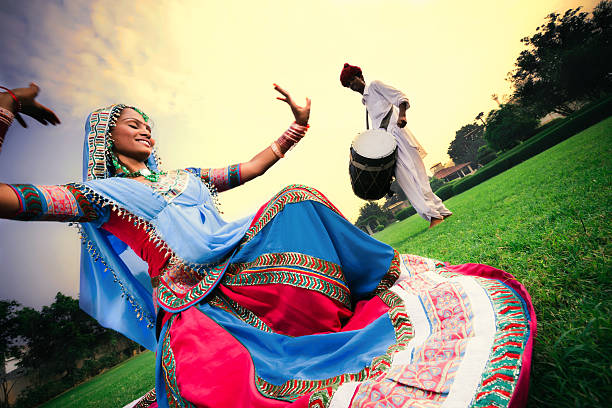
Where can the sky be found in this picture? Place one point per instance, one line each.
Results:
(203, 71)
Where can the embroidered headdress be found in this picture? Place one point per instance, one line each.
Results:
(97, 148)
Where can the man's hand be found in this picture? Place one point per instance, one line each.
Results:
(401, 121)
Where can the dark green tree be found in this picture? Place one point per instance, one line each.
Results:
(372, 213)
(8, 348)
(57, 337)
(468, 139)
(567, 61)
(509, 125)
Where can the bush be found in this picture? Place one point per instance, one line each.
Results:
(379, 228)
(445, 192)
(435, 183)
(485, 155)
(36, 395)
(405, 213)
(552, 135)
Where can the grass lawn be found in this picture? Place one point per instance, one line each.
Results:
(112, 389)
(548, 222)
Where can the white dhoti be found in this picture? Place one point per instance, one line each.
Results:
(411, 176)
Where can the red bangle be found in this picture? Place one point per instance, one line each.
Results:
(14, 97)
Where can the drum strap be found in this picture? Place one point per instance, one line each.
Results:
(371, 168)
(384, 124)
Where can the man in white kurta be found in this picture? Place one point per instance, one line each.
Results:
(410, 173)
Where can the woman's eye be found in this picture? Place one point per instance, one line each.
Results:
(134, 126)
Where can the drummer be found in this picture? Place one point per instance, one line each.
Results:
(410, 174)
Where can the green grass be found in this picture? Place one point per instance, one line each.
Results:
(548, 222)
(114, 388)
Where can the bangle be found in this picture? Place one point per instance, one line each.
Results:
(276, 150)
(292, 135)
(14, 97)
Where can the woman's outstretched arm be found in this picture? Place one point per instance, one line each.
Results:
(225, 178)
(27, 201)
(270, 155)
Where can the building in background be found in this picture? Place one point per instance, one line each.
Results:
(451, 171)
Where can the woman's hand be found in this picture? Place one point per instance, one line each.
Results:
(301, 113)
(31, 107)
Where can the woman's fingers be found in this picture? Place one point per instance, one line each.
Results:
(49, 115)
(20, 120)
(281, 90)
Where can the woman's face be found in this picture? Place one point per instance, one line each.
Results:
(132, 136)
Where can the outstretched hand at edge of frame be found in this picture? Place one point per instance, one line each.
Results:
(31, 107)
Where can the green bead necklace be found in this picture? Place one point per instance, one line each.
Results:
(152, 176)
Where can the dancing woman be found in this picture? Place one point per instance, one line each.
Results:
(292, 306)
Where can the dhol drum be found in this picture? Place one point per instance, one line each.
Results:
(372, 163)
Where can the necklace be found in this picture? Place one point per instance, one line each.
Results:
(152, 176)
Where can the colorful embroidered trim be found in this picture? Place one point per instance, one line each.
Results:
(95, 255)
(223, 178)
(101, 122)
(294, 193)
(146, 400)
(53, 203)
(165, 296)
(293, 389)
(96, 142)
(500, 375)
(391, 276)
(223, 302)
(169, 301)
(169, 371)
(293, 277)
(290, 259)
(282, 268)
(171, 185)
(512, 332)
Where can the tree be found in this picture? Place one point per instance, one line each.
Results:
(372, 213)
(8, 310)
(507, 126)
(398, 194)
(468, 139)
(57, 337)
(566, 61)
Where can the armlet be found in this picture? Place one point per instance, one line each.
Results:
(53, 203)
(223, 178)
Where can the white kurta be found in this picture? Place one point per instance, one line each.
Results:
(410, 172)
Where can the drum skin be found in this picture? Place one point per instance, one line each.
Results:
(371, 177)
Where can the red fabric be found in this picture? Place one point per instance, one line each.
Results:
(229, 382)
(219, 382)
(290, 310)
(366, 311)
(519, 397)
(138, 240)
(348, 72)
